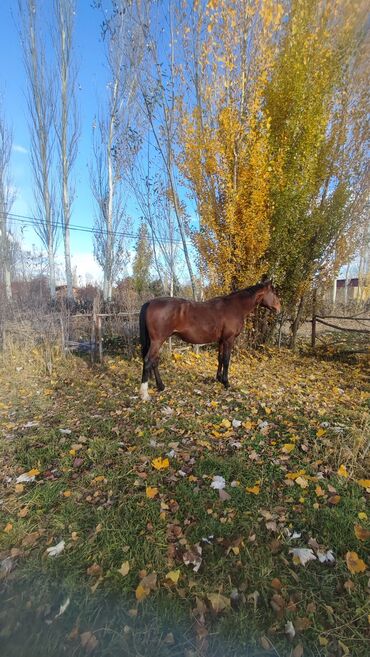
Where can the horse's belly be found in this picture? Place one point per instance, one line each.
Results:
(197, 337)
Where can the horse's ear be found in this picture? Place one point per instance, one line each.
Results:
(267, 282)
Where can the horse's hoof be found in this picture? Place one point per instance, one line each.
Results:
(161, 387)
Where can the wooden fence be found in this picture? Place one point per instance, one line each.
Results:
(322, 319)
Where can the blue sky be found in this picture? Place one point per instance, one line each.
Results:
(90, 60)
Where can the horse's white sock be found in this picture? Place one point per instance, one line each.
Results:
(144, 392)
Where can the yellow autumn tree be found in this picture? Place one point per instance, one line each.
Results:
(317, 100)
(229, 50)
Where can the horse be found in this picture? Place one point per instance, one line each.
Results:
(219, 320)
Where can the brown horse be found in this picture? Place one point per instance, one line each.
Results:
(218, 320)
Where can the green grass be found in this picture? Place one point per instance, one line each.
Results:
(91, 493)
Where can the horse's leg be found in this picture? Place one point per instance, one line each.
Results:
(228, 345)
(158, 380)
(220, 361)
(150, 361)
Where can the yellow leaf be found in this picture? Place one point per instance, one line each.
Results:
(362, 533)
(8, 527)
(151, 492)
(365, 483)
(294, 475)
(319, 491)
(98, 479)
(342, 471)
(23, 512)
(173, 575)
(248, 425)
(33, 473)
(323, 641)
(253, 489)
(362, 515)
(160, 464)
(301, 481)
(320, 432)
(19, 488)
(67, 493)
(125, 568)
(288, 447)
(72, 452)
(214, 404)
(226, 423)
(354, 563)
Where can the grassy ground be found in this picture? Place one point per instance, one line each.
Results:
(156, 561)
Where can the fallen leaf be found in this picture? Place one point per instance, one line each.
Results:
(125, 568)
(218, 482)
(160, 464)
(94, 570)
(8, 527)
(302, 555)
(218, 602)
(193, 557)
(287, 448)
(362, 533)
(342, 471)
(224, 496)
(173, 575)
(151, 491)
(325, 557)
(30, 539)
(255, 490)
(146, 585)
(301, 481)
(55, 550)
(23, 512)
(63, 607)
(354, 563)
(89, 641)
(365, 483)
(289, 629)
(334, 500)
(298, 650)
(19, 488)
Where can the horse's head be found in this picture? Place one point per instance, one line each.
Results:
(270, 299)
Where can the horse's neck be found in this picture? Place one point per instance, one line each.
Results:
(248, 301)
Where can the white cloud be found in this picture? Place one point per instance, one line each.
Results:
(88, 270)
(17, 148)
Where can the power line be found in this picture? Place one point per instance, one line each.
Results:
(33, 221)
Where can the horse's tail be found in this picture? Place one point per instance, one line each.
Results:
(144, 335)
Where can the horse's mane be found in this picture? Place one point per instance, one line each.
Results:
(252, 289)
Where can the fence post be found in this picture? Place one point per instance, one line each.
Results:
(314, 311)
(93, 331)
(62, 336)
(100, 339)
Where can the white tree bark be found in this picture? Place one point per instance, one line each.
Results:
(66, 121)
(7, 197)
(41, 106)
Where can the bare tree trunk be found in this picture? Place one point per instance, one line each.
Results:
(7, 197)
(66, 122)
(41, 106)
(296, 323)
